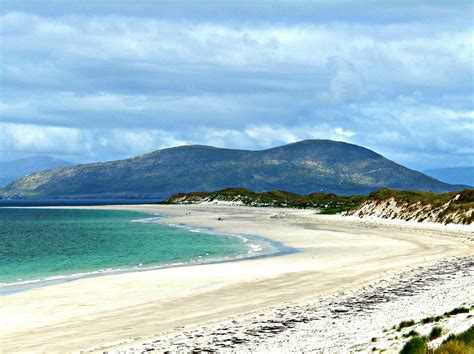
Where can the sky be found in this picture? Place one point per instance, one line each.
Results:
(104, 80)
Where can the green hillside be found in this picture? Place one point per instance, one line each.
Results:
(308, 166)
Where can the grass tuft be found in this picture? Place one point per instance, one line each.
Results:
(453, 347)
(405, 324)
(436, 332)
(431, 319)
(462, 343)
(416, 345)
(412, 333)
(458, 343)
(457, 311)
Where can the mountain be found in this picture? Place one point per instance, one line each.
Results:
(11, 170)
(303, 167)
(453, 175)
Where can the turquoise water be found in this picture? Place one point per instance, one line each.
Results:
(39, 244)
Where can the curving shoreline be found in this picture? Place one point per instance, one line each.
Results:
(127, 310)
(264, 247)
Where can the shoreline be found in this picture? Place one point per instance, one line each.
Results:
(135, 308)
(270, 248)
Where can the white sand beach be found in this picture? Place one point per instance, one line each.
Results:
(339, 261)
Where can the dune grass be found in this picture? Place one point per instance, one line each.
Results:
(458, 343)
(416, 345)
(457, 311)
(404, 324)
(462, 343)
(436, 332)
(431, 319)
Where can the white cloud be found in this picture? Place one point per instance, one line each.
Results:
(346, 83)
(38, 140)
(137, 142)
(112, 86)
(268, 136)
(343, 132)
(89, 143)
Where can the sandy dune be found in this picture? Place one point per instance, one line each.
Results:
(127, 309)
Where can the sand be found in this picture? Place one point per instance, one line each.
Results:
(127, 310)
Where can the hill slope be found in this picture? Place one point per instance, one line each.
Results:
(11, 170)
(304, 167)
(455, 175)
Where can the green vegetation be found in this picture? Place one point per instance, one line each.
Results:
(454, 347)
(416, 345)
(302, 167)
(436, 332)
(412, 196)
(459, 206)
(466, 337)
(458, 343)
(333, 204)
(327, 203)
(431, 319)
(405, 324)
(453, 312)
(461, 343)
(457, 311)
(412, 333)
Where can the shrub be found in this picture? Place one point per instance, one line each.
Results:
(435, 332)
(416, 345)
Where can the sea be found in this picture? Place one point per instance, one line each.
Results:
(44, 246)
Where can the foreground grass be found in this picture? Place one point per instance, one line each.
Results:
(416, 345)
(462, 343)
(458, 343)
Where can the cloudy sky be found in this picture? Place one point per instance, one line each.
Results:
(101, 80)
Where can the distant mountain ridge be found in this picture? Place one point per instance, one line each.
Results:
(12, 170)
(453, 175)
(304, 167)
